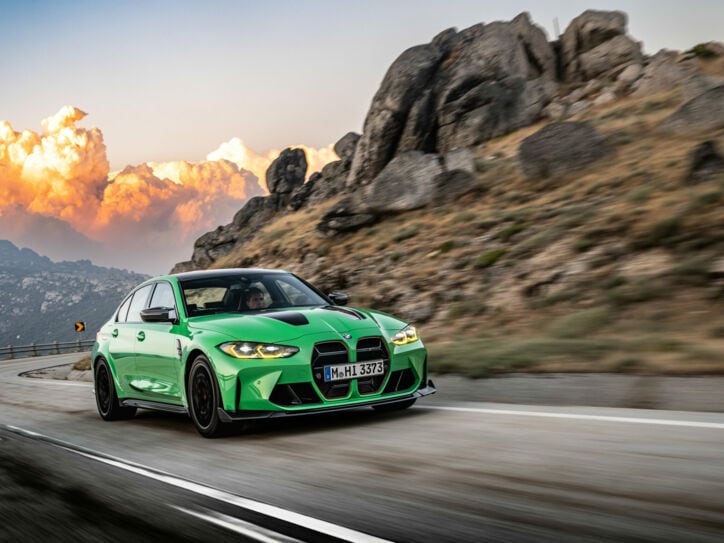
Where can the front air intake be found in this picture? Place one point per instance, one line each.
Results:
(326, 354)
(368, 349)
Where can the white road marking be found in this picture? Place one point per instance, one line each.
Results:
(601, 418)
(60, 382)
(238, 526)
(310, 523)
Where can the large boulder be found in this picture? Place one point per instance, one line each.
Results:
(347, 215)
(403, 83)
(705, 112)
(287, 171)
(601, 61)
(705, 163)
(499, 77)
(669, 70)
(460, 90)
(406, 183)
(595, 44)
(346, 146)
(410, 181)
(560, 148)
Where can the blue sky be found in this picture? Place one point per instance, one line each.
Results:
(170, 80)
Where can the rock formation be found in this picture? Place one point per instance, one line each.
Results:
(440, 102)
(559, 149)
(458, 91)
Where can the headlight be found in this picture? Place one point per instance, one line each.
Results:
(247, 350)
(407, 335)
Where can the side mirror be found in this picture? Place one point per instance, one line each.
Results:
(339, 298)
(158, 314)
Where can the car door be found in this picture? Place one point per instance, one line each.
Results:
(122, 345)
(157, 351)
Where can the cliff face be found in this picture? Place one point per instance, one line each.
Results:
(440, 102)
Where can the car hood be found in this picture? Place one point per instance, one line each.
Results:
(279, 325)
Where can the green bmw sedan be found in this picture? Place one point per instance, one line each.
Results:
(231, 346)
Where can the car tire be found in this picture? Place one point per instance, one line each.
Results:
(203, 399)
(398, 406)
(109, 407)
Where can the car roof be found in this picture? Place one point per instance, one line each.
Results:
(203, 274)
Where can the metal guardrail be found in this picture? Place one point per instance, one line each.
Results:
(36, 349)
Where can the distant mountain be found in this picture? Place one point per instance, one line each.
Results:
(40, 300)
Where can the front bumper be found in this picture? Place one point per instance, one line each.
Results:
(235, 416)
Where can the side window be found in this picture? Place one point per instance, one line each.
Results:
(138, 303)
(163, 296)
(123, 310)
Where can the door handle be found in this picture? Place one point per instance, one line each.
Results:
(141, 336)
(115, 333)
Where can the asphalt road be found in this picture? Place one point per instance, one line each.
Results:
(442, 471)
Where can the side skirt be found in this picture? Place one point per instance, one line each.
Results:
(155, 406)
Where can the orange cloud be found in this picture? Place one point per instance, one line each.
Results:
(63, 173)
(58, 173)
(236, 151)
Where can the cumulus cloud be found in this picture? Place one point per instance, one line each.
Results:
(236, 151)
(156, 209)
(57, 173)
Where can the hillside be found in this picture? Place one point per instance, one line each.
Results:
(40, 300)
(581, 230)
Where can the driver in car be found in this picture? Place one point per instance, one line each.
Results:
(254, 299)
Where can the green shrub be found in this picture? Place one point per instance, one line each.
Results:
(692, 271)
(580, 324)
(643, 290)
(537, 242)
(464, 217)
(466, 308)
(449, 245)
(639, 195)
(583, 244)
(709, 198)
(703, 51)
(510, 231)
(627, 365)
(483, 357)
(662, 233)
(406, 233)
(486, 260)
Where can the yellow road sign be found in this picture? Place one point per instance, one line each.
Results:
(80, 326)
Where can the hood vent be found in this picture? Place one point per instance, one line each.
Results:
(346, 311)
(290, 317)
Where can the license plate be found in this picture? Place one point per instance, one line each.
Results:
(341, 372)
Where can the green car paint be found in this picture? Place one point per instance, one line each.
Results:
(175, 341)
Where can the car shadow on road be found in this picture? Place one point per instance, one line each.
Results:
(325, 422)
(275, 427)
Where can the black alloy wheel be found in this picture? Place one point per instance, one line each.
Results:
(109, 407)
(203, 398)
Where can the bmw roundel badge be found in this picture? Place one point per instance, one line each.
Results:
(347, 336)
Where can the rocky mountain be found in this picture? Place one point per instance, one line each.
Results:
(565, 195)
(40, 300)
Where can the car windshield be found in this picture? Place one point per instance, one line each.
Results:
(247, 292)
